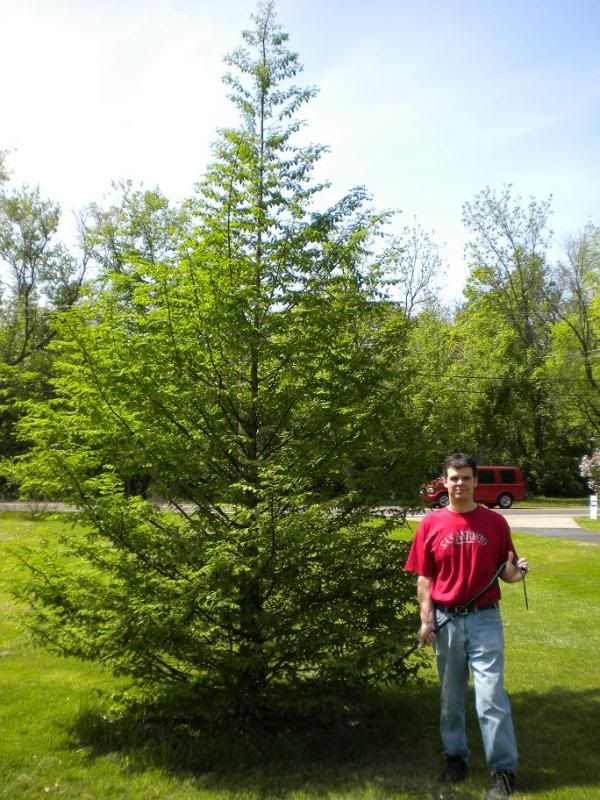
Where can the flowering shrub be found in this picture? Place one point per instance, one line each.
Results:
(590, 468)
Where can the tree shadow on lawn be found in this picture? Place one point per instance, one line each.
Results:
(387, 745)
(558, 733)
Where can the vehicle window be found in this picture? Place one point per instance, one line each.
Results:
(508, 476)
(485, 476)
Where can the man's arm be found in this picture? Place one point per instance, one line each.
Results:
(427, 630)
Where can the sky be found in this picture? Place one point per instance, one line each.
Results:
(424, 103)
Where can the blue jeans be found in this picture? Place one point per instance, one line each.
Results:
(475, 640)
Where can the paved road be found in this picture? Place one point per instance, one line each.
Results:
(557, 523)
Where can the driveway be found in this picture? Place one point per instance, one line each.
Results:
(557, 523)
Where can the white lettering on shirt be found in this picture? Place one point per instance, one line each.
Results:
(466, 536)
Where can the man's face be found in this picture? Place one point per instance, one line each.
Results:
(460, 484)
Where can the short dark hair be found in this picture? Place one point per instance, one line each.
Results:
(460, 461)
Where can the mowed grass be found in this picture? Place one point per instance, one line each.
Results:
(589, 524)
(59, 738)
(540, 501)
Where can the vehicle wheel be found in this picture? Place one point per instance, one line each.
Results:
(505, 500)
(442, 500)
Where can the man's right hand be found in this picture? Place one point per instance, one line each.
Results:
(426, 633)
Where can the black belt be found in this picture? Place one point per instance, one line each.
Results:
(465, 609)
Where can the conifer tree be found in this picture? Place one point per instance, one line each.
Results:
(255, 375)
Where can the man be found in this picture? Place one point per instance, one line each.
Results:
(456, 552)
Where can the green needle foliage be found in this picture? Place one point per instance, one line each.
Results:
(251, 377)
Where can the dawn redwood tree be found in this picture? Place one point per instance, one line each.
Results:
(254, 373)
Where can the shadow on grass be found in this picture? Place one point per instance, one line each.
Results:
(388, 745)
(558, 733)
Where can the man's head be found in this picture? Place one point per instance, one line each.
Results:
(460, 461)
(460, 479)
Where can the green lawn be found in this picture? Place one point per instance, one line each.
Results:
(588, 524)
(552, 502)
(58, 739)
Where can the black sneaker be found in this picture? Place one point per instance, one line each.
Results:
(456, 769)
(503, 785)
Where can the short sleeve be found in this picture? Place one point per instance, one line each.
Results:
(420, 559)
(508, 542)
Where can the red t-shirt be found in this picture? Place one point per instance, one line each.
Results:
(460, 553)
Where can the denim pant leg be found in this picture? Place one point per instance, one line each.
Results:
(485, 648)
(453, 670)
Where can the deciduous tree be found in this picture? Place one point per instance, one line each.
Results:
(39, 276)
(414, 265)
(573, 300)
(509, 276)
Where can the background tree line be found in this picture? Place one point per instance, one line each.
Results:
(510, 373)
(514, 371)
(273, 371)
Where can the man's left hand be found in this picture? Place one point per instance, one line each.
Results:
(514, 572)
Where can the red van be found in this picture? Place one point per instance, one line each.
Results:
(496, 486)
